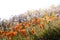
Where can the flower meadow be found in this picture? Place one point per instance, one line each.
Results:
(42, 24)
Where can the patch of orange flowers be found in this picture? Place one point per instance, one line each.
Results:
(10, 34)
(19, 28)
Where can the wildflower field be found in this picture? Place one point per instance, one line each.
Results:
(43, 24)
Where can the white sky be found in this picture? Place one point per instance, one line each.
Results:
(15, 7)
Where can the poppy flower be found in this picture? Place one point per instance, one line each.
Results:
(17, 28)
(38, 20)
(13, 33)
(6, 34)
(41, 26)
(20, 25)
(43, 19)
(34, 20)
(26, 24)
(33, 31)
(1, 33)
(23, 31)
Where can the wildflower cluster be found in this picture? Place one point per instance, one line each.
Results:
(34, 25)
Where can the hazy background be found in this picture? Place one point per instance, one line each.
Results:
(15, 7)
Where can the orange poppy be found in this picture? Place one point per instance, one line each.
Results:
(42, 26)
(20, 26)
(1, 33)
(34, 20)
(43, 19)
(13, 33)
(26, 24)
(17, 28)
(33, 32)
(23, 31)
(6, 34)
(38, 20)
